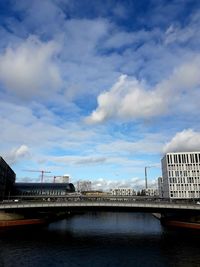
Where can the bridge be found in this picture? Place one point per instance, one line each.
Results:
(100, 204)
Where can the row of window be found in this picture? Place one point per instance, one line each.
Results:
(44, 192)
(183, 167)
(185, 194)
(183, 158)
(184, 180)
(184, 186)
(184, 173)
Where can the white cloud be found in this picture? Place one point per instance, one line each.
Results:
(29, 70)
(81, 160)
(185, 141)
(146, 145)
(127, 99)
(135, 183)
(120, 39)
(17, 154)
(131, 99)
(40, 129)
(175, 34)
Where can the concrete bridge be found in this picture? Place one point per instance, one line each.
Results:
(100, 204)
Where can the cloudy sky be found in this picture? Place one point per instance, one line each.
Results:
(98, 89)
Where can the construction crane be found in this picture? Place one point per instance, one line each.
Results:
(41, 171)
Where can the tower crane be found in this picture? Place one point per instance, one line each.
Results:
(41, 171)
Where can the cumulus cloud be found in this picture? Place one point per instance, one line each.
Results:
(126, 99)
(17, 154)
(30, 69)
(132, 99)
(185, 141)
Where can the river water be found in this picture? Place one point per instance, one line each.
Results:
(100, 240)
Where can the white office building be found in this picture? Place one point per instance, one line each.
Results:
(181, 175)
(123, 192)
(151, 192)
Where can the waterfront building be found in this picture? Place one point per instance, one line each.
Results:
(181, 175)
(160, 187)
(84, 186)
(123, 192)
(7, 179)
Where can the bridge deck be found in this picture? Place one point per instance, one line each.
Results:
(91, 204)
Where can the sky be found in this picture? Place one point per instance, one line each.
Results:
(97, 89)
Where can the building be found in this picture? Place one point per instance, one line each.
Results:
(123, 192)
(84, 186)
(43, 189)
(62, 179)
(181, 175)
(7, 179)
(151, 192)
(160, 187)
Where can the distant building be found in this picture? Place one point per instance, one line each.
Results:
(43, 189)
(152, 192)
(160, 187)
(181, 175)
(7, 179)
(62, 179)
(84, 186)
(123, 192)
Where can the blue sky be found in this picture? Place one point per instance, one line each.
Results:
(98, 90)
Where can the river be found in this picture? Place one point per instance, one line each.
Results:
(100, 240)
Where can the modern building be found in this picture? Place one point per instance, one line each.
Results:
(151, 192)
(123, 192)
(84, 186)
(43, 189)
(181, 175)
(7, 179)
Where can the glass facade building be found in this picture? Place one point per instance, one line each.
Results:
(43, 189)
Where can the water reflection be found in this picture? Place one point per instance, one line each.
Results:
(100, 239)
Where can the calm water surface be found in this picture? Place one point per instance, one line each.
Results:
(101, 239)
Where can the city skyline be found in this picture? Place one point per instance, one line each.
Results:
(98, 90)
